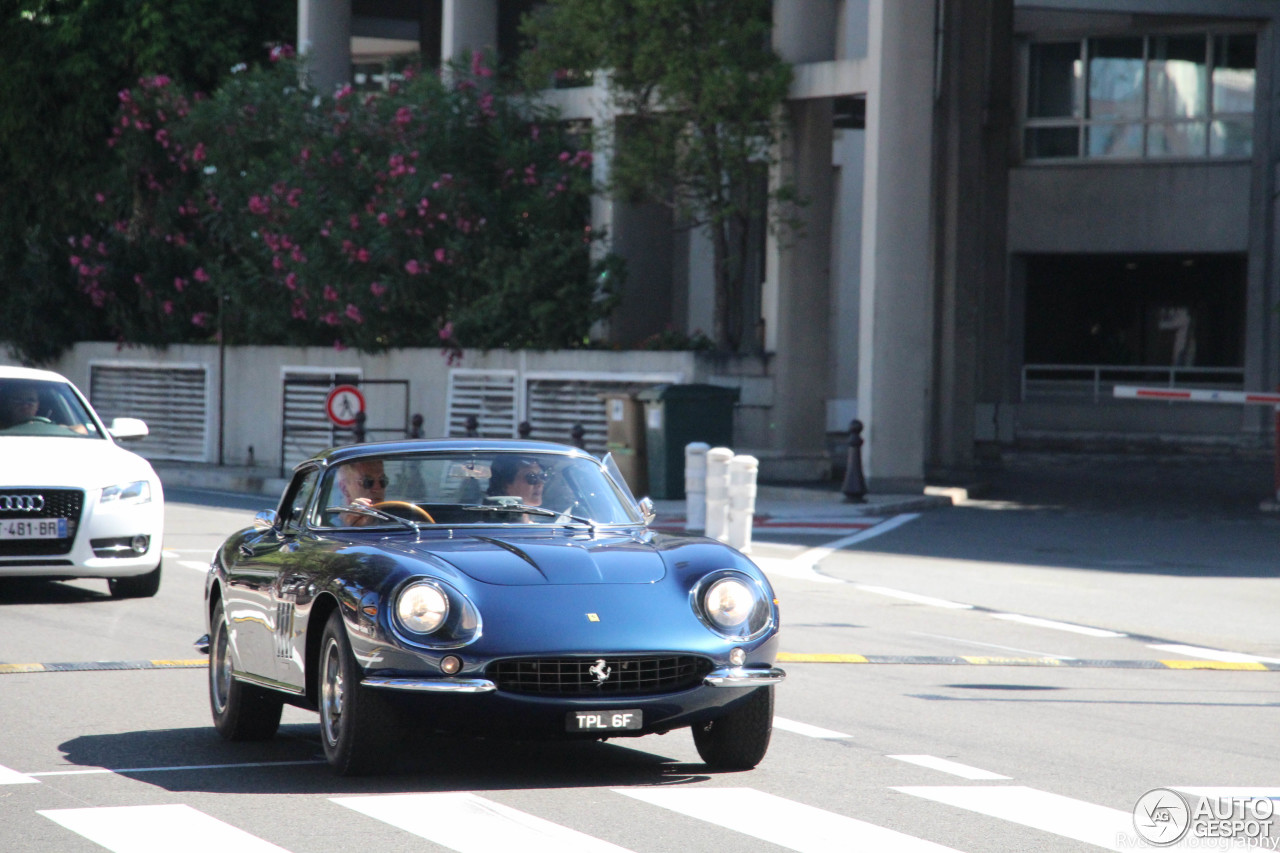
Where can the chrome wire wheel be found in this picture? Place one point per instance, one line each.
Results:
(331, 692)
(220, 669)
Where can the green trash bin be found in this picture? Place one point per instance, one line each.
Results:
(675, 415)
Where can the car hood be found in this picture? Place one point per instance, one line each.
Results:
(521, 560)
(69, 462)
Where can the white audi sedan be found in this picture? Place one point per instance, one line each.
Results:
(73, 502)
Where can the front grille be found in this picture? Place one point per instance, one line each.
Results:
(58, 503)
(627, 676)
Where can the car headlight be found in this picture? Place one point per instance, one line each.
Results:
(733, 605)
(422, 608)
(138, 492)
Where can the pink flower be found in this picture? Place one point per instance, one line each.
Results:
(330, 295)
(362, 255)
(167, 307)
(446, 331)
(353, 313)
(75, 260)
(291, 281)
(199, 318)
(403, 116)
(377, 288)
(200, 275)
(412, 267)
(383, 219)
(281, 51)
(198, 154)
(179, 284)
(331, 318)
(259, 205)
(440, 256)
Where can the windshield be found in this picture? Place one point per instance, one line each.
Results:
(39, 407)
(462, 488)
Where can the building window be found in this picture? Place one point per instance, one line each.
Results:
(1183, 96)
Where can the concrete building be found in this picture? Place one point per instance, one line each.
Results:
(1014, 205)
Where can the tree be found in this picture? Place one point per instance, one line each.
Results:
(439, 212)
(698, 93)
(65, 60)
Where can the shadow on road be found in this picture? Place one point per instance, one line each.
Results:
(198, 759)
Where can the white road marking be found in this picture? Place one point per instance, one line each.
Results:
(786, 823)
(816, 555)
(1057, 626)
(1261, 792)
(916, 597)
(965, 642)
(1211, 654)
(13, 777)
(194, 564)
(158, 829)
(806, 729)
(1110, 829)
(787, 567)
(955, 768)
(469, 823)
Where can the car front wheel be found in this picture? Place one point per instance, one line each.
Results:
(141, 586)
(356, 724)
(240, 711)
(739, 739)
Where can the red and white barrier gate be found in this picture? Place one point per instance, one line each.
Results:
(1202, 395)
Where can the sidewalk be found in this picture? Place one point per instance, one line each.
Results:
(791, 507)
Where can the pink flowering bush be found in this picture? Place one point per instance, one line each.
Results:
(442, 212)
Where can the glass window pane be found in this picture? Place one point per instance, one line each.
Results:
(1052, 90)
(1231, 138)
(1115, 78)
(1177, 77)
(1045, 142)
(1176, 139)
(1114, 140)
(1234, 73)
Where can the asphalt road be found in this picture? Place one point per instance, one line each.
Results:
(1007, 675)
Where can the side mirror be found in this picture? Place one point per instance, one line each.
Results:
(646, 507)
(128, 429)
(265, 520)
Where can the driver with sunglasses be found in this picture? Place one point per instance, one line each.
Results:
(364, 483)
(521, 477)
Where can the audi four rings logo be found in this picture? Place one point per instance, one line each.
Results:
(21, 503)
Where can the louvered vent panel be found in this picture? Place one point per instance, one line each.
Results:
(172, 400)
(489, 395)
(307, 428)
(556, 405)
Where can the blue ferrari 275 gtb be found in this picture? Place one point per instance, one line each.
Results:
(487, 587)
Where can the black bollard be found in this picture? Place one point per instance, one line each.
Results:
(415, 431)
(473, 426)
(855, 485)
(358, 429)
(579, 434)
(524, 429)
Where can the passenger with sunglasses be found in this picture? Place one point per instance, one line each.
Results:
(522, 477)
(363, 482)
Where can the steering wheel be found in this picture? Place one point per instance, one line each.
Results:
(412, 509)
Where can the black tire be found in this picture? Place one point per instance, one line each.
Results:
(357, 724)
(139, 586)
(240, 711)
(739, 739)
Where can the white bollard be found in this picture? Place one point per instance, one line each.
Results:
(742, 500)
(695, 486)
(718, 492)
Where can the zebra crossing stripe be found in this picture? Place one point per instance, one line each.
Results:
(13, 777)
(469, 823)
(1110, 829)
(158, 829)
(786, 823)
(955, 768)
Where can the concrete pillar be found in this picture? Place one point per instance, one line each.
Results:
(897, 321)
(468, 25)
(797, 315)
(324, 38)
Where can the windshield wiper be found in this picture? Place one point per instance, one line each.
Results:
(533, 510)
(361, 509)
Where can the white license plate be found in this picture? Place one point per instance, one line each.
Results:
(603, 721)
(34, 528)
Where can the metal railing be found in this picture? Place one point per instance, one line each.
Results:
(1095, 382)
